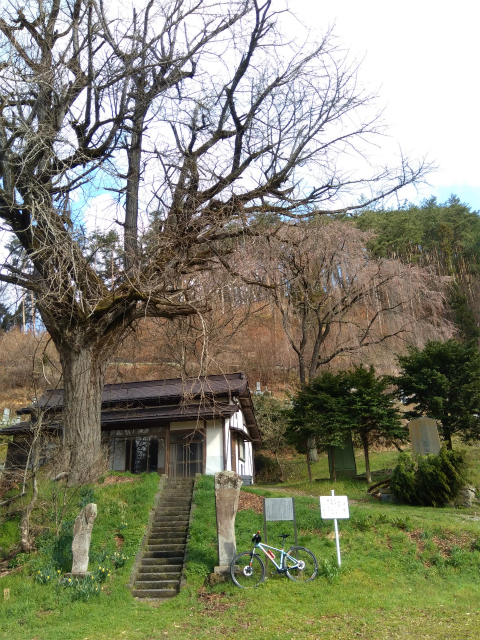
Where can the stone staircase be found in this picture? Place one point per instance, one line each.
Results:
(161, 566)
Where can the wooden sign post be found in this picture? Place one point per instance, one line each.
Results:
(279, 509)
(332, 508)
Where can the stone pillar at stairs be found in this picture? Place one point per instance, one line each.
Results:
(227, 492)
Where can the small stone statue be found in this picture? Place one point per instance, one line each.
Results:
(82, 535)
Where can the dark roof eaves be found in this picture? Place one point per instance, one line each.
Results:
(238, 387)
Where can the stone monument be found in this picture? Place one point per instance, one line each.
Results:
(227, 492)
(82, 534)
(466, 497)
(424, 436)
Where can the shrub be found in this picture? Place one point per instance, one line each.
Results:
(403, 481)
(429, 481)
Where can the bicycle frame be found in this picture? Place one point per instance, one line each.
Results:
(283, 554)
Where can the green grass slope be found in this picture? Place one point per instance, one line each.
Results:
(407, 573)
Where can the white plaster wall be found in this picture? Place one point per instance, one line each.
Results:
(228, 442)
(214, 440)
(244, 467)
(248, 459)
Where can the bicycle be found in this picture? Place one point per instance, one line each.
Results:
(248, 569)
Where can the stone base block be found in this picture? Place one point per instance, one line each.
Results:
(80, 576)
(223, 569)
(220, 574)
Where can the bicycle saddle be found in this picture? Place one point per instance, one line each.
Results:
(284, 535)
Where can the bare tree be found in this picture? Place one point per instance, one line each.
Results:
(197, 112)
(335, 299)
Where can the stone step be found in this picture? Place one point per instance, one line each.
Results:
(176, 495)
(179, 491)
(169, 527)
(174, 553)
(167, 572)
(180, 488)
(158, 577)
(167, 531)
(160, 525)
(179, 484)
(176, 536)
(166, 546)
(184, 506)
(162, 562)
(174, 504)
(157, 594)
(157, 584)
(181, 518)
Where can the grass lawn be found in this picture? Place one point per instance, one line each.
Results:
(407, 572)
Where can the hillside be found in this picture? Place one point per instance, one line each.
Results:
(406, 573)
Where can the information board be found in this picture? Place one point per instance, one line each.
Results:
(277, 509)
(334, 507)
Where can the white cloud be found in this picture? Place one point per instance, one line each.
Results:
(423, 58)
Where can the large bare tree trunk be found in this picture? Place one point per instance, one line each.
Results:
(83, 380)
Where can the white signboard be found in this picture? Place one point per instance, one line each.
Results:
(278, 509)
(334, 507)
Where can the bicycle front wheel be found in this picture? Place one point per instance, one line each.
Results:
(247, 570)
(300, 564)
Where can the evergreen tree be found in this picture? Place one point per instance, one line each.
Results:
(443, 381)
(354, 400)
(370, 409)
(318, 412)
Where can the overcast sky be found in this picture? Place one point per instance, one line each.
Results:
(423, 57)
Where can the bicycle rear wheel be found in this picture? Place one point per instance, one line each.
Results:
(247, 570)
(305, 566)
